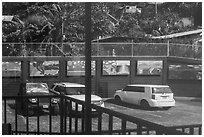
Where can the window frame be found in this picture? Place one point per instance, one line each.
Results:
(37, 76)
(143, 74)
(123, 74)
(3, 76)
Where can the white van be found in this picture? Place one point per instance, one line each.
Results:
(146, 95)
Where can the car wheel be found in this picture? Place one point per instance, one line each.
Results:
(118, 99)
(144, 104)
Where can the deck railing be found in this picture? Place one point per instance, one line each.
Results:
(106, 121)
(103, 49)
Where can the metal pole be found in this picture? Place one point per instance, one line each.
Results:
(156, 8)
(88, 68)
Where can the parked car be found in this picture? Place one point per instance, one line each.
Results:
(76, 91)
(35, 89)
(146, 96)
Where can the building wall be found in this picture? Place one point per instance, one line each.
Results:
(104, 85)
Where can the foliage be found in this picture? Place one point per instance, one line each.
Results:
(64, 22)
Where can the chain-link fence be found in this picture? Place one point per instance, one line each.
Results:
(102, 49)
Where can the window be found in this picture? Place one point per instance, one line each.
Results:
(185, 71)
(128, 88)
(44, 68)
(116, 67)
(77, 68)
(161, 90)
(59, 89)
(139, 89)
(11, 69)
(75, 90)
(134, 89)
(149, 67)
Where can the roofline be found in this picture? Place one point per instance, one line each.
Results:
(75, 84)
(180, 34)
(146, 85)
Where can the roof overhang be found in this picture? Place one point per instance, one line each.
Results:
(181, 34)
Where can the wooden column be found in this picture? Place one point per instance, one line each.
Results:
(88, 68)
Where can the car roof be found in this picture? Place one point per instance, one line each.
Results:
(68, 84)
(36, 83)
(146, 85)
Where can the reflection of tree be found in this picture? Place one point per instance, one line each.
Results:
(44, 68)
(149, 67)
(39, 66)
(79, 65)
(116, 67)
(187, 75)
(184, 72)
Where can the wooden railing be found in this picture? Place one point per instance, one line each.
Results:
(106, 121)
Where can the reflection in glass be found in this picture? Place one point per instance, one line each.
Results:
(11, 69)
(149, 67)
(44, 68)
(77, 68)
(184, 71)
(116, 67)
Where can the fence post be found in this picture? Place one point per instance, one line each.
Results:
(191, 130)
(6, 129)
(61, 114)
(132, 48)
(110, 124)
(123, 126)
(139, 129)
(99, 122)
(168, 48)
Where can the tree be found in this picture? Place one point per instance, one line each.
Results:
(64, 22)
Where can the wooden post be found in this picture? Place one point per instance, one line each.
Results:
(88, 68)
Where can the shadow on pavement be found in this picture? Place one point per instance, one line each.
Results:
(128, 105)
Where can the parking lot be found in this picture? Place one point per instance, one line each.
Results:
(187, 111)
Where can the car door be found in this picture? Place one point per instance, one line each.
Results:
(129, 95)
(135, 94)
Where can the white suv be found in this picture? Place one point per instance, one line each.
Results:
(146, 96)
(76, 91)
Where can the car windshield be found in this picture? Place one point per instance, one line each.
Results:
(161, 90)
(75, 90)
(41, 86)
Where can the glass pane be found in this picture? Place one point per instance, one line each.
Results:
(11, 69)
(44, 68)
(161, 90)
(116, 67)
(185, 71)
(75, 91)
(149, 67)
(77, 68)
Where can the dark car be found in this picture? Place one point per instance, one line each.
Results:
(37, 105)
